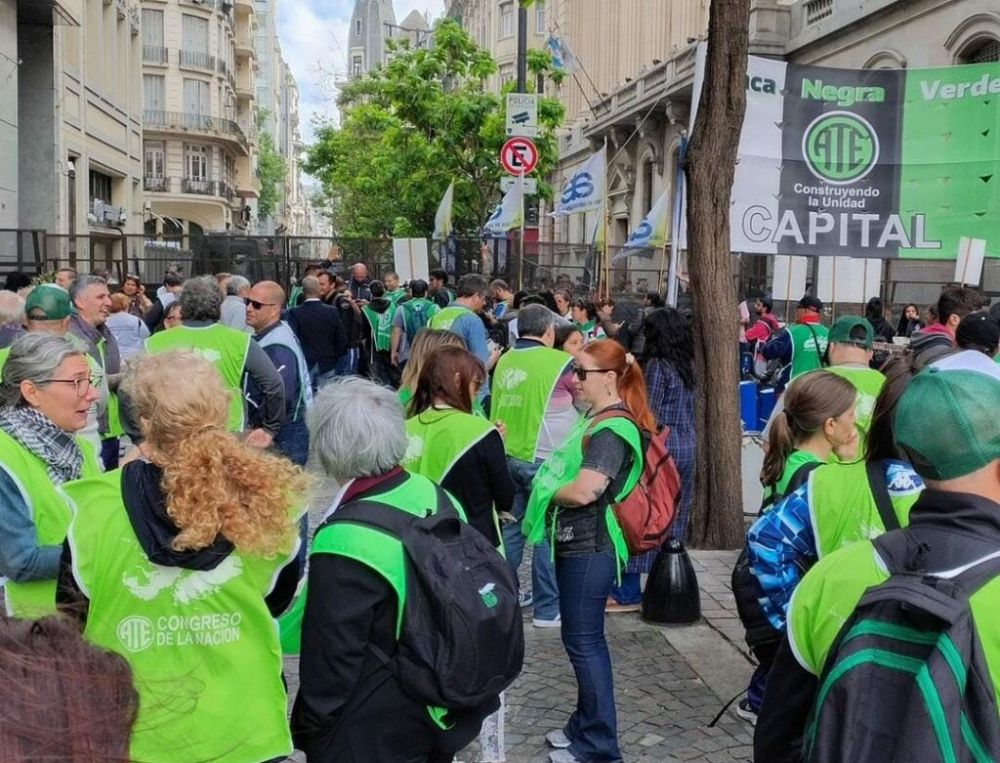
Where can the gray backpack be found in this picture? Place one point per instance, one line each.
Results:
(906, 679)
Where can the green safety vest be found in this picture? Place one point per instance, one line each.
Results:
(293, 296)
(48, 511)
(405, 395)
(563, 466)
(807, 354)
(3, 359)
(430, 309)
(227, 349)
(868, 382)
(523, 382)
(395, 296)
(796, 459)
(446, 318)
(828, 595)
(381, 324)
(842, 508)
(380, 551)
(438, 438)
(202, 644)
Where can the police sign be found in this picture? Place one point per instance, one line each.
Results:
(522, 114)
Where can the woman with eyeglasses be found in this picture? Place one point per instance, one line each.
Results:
(598, 465)
(44, 399)
(449, 444)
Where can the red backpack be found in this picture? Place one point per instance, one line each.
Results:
(646, 513)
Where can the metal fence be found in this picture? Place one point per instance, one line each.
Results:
(543, 265)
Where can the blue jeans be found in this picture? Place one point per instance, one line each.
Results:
(584, 585)
(543, 576)
(320, 380)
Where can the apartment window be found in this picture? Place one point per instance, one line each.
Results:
(506, 72)
(506, 20)
(539, 18)
(194, 34)
(100, 186)
(153, 92)
(154, 159)
(356, 66)
(196, 162)
(647, 186)
(152, 28)
(197, 97)
(357, 27)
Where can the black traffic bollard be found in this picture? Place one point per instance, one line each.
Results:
(671, 596)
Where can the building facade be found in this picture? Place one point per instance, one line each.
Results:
(70, 124)
(199, 115)
(371, 24)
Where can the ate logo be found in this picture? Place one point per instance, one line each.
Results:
(496, 213)
(840, 147)
(580, 186)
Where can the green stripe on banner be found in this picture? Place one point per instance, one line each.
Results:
(951, 156)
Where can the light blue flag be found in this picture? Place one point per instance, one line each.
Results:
(584, 191)
(652, 231)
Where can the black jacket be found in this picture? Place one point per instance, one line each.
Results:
(949, 530)
(147, 512)
(481, 482)
(321, 333)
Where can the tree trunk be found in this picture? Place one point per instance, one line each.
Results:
(717, 519)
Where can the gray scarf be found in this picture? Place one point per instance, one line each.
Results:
(58, 450)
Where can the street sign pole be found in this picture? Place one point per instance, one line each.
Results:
(522, 47)
(520, 273)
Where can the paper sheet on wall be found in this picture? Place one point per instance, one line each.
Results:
(410, 258)
(789, 278)
(848, 279)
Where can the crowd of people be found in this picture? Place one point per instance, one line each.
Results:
(152, 454)
(877, 535)
(155, 496)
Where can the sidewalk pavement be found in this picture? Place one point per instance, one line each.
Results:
(669, 683)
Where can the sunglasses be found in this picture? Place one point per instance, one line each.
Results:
(257, 305)
(581, 373)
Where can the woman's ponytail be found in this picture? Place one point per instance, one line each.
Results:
(631, 384)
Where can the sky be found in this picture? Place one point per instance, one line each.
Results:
(313, 37)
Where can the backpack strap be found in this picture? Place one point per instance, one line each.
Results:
(797, 480)
(880, 491)
(823, 361)
(383, 517)
(615, 413)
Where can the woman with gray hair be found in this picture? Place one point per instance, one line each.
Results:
(44, 398)
(349, 707)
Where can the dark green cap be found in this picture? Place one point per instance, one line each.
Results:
(48, 302)
(946, 421)
(853, 329)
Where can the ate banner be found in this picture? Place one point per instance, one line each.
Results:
(873, 163)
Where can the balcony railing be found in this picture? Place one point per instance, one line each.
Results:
(153, 54)
(817, 10)
(198, 60)
(193, 186)
(198, 122)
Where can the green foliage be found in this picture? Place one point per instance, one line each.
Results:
(271, 173)
(411, 127)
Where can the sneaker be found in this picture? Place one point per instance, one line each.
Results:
(557, 739)
(743, 711)
(555, 622)
(525, 598)
(563, 756)
(614, 608)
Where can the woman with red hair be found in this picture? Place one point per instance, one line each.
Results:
(597, 466)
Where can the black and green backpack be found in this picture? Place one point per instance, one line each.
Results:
(906, 679)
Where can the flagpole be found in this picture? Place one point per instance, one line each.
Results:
(607, 220)
(675, 232)
(520, 272)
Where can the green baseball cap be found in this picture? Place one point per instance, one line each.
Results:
(853, 329)
(946, 421)
(48, 302)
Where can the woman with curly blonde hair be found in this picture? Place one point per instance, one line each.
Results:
(180, 562)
